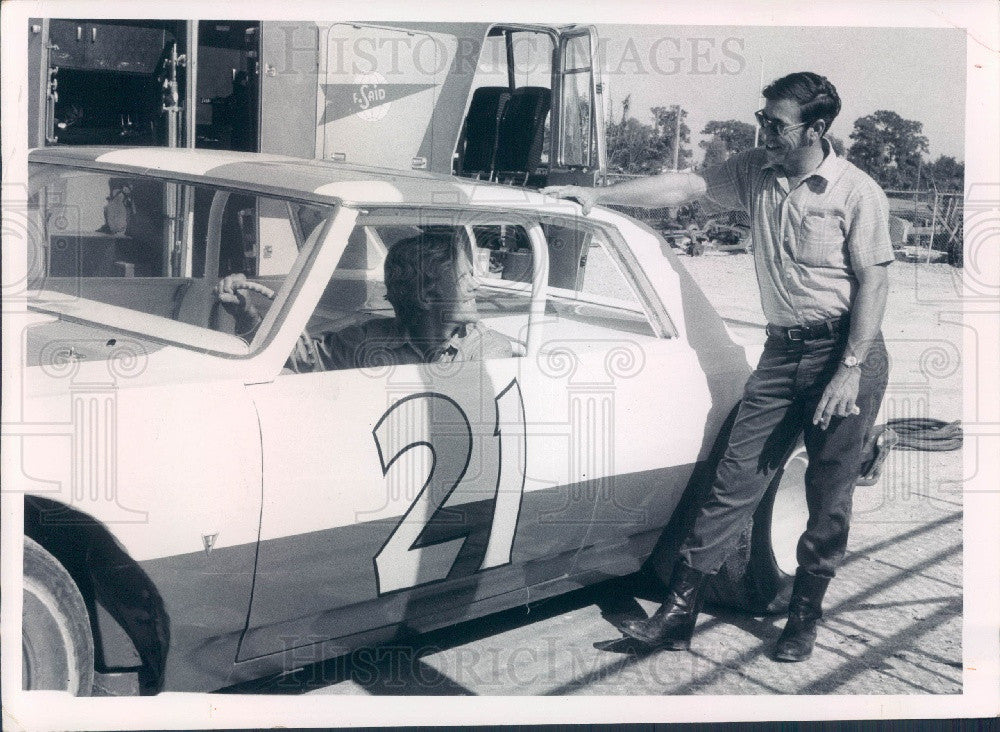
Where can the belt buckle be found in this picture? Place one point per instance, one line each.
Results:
(795, 334)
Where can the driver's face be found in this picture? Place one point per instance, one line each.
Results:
(456, 298)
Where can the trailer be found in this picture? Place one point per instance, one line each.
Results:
(514, 103)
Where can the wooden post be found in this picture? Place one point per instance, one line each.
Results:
(930, 244)
(952, 220)
(677, 134)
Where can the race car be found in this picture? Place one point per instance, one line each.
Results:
(198, 514)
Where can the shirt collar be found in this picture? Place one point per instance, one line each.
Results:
(831, 164)
(401, 338)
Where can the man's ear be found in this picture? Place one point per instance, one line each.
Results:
(818, 127)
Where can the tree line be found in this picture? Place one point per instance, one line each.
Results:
(888, 147)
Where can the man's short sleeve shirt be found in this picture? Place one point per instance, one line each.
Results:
(808, 240)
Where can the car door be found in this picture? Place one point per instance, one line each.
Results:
(392, 493)
(625, 398)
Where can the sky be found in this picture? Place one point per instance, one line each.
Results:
(714, 72)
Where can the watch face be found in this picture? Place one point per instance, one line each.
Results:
(851, 361)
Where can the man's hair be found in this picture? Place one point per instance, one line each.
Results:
(817, 97)
(415, 267)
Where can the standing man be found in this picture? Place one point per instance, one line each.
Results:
(821, 242)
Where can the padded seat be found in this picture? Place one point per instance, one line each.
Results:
(522, 131)
(482, 125)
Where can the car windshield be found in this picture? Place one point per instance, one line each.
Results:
(145, 254)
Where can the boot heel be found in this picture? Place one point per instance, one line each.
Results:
(672, 625)
(804, 611)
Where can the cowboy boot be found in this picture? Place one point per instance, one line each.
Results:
(804, 611)
(673, 623)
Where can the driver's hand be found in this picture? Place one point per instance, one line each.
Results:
(231, 292)
(228, 290)
(586, 197)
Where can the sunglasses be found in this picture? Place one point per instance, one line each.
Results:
(774, 126)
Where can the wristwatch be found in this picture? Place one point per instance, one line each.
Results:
(851, 361)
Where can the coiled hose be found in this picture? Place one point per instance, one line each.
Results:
(925, 433)
(907, 433)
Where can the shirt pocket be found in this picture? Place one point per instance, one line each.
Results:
(821, 239)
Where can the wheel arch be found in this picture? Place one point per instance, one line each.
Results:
(127, 617)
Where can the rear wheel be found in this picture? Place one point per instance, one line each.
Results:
(757, 576)
(57, 647)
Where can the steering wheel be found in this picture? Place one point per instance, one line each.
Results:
(305, 353)
(254, 287)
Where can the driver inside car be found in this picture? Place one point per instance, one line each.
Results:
(431, 285)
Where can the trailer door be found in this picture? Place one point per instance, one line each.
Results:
(288, 88)
(578, 110)
(377, 91)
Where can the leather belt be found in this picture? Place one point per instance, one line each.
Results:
(808, 331)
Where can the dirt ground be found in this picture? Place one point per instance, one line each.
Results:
(894, 613)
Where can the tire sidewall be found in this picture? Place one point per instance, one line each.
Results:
(57, 641)
(770, 588)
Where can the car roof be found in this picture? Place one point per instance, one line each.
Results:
(319, 180)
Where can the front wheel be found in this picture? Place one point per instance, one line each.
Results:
(757, 576)
(57, 646)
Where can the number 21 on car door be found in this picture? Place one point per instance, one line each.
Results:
(388, 493)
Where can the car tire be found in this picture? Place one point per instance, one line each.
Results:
(57, 646)
(757, 576)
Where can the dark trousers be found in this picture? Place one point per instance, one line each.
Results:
(778, 405)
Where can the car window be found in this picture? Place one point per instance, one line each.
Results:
(505, 99)
(355, 324)
(532, 52)
(576, 142)
(157, 248)
(585, 280)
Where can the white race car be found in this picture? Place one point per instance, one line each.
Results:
(198, 514)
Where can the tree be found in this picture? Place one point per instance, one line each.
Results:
(888, 148)
(639, 148)
(716, 152)
(946, 174)
(728, 138)
(633, 148)
(665, 125)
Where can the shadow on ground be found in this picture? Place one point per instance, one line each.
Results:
(892, 626)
